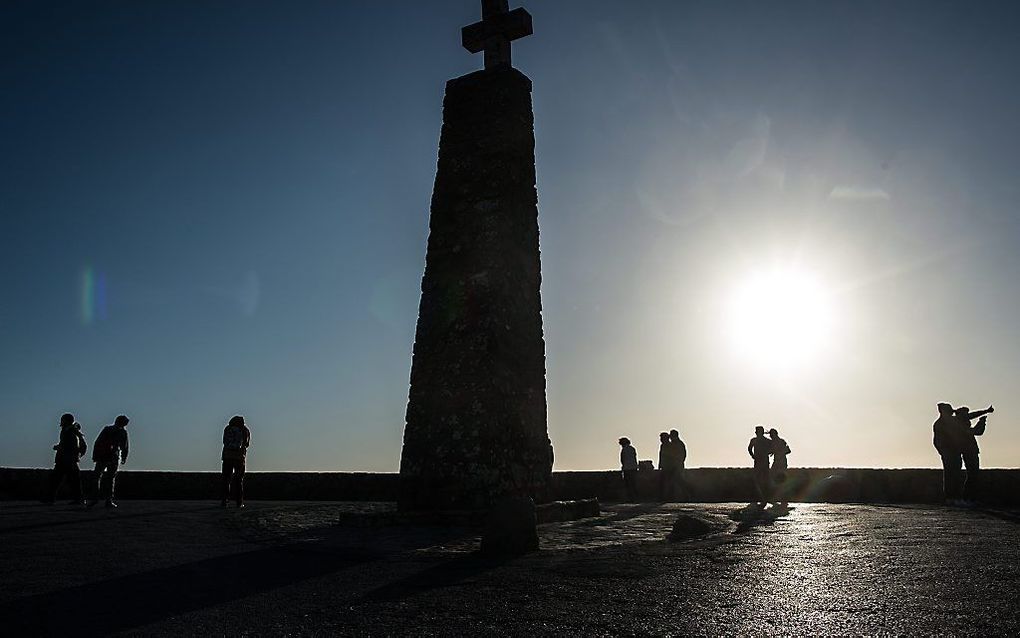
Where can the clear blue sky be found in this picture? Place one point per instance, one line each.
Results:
(210, 208)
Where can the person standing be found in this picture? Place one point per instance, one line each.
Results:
(109, 452)
(679, 451)
(948, 441)
(780, 448)
(236, 439)
(629, 465)
(69, 449)
(760, 448)
(969, 448)
(667, 468)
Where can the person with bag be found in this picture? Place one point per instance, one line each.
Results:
(236, 439)
(69, 450)
(109, 452)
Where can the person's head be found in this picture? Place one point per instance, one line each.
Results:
(664, 437)
(774, 433)
(963, 412)
(66, 420)
(77, 426)
(759, 430)
(236, 421)
(945, 409)
(674, 435)
(624, 441)
(121, 421)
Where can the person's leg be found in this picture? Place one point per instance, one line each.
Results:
(103, 480)
(74, 474)
(971, 488)
(56, 477)
(239, 482)
(953, 476)
(947, 477)
(227, 469)
(628, 485)
(761, 481)
(111, 479)
(680, 487)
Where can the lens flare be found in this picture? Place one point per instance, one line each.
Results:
(93, 296)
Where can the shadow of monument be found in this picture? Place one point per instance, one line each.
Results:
(135, 600)
(97, 516)
(440, 576)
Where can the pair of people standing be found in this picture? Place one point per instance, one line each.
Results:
(956, 441)
(672, 456)
(767, 477)
(109, 451)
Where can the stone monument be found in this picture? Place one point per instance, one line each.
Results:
(475, 430)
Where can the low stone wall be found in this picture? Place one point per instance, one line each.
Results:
(708, 485)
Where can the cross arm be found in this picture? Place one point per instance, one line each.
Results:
(511, 25)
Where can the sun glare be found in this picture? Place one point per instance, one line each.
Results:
(780, 319)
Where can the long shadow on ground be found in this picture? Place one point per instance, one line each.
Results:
(138, 599)
(446, 574)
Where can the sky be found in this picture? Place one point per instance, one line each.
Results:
(798, 214)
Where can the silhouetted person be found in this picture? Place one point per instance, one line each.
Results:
(948, 440)
(629, 465)
(779, 464)
(69, 449)
(969, 447)
(760, 448)
(679, 451)
(236, 439)
(109, 452)
(667, 468)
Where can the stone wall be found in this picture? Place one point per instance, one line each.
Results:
(1002, 487)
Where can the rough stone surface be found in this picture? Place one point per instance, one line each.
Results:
(178, 568)
(476, 416)
(557, 511)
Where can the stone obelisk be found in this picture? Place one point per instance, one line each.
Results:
(476, 428)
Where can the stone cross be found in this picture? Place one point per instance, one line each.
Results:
(498, 28)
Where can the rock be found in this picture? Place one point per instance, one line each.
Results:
(686, 527)
(567, 510)
(511, 528)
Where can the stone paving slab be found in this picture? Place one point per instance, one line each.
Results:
(289, 568)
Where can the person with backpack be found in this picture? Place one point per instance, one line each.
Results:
(236, 439)
(69, 450)
(109, 452)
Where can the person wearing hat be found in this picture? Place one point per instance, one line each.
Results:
(109, 452)
(70, 448)
(236, 439)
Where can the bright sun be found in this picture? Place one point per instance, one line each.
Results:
(780, 319)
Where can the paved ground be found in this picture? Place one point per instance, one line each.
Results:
(189, 568)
